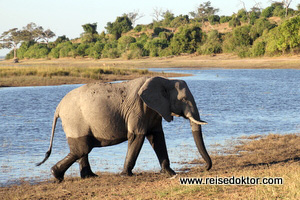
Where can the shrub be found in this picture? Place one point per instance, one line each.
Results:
(258, 48)
(234, 22)
(82, 49)
(224, 19)
(186, 40)
(212, 44)
(37, 51)
(124, 42)
(214, 19)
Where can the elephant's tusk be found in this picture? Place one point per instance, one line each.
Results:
(197, 122)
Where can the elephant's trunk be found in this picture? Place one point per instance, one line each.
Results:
(197, 133)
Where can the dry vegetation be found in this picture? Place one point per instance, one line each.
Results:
(258, 156)
(46, 72)
(72, 71)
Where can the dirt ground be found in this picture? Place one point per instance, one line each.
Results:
(257, 156)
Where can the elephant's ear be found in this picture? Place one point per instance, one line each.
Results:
(154, 93)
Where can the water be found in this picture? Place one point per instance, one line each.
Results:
(233, 102)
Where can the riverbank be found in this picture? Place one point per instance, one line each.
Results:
(225, 61)
(272, 156)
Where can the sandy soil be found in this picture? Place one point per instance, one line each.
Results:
(256, 156)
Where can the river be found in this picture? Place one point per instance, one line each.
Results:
(234, 103)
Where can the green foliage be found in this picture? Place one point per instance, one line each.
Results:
(168, 18)
(158, 30)
(214, 19)
(82, 49)
(259, 27)
(180, 21)
(289, 34)
(186, 40)
(124, 42)
(173, 35)
(155, 46)
(110, 49)
(258, 48)
(267, 12)
(241, 36)
(95, 51)
(212, 44)
(37, 51)
(204, 11)
(64, 49)
(234, 22)
(90, 28)
(61, 39)
(242, 15)
(121, 25)
(224, 19)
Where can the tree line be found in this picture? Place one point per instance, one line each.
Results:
(251, 34)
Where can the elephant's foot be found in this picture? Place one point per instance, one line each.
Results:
(87, 173)
(168, 171)
(57, 174)
(126, 173)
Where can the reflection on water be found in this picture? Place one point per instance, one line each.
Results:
(233, 102)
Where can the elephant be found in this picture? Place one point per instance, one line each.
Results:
(105, 114)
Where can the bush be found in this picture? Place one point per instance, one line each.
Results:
(241, 36)
(186, 40)
(214, 19)
(65, 49)
(110, 49)
(212, 44)
(234, 22)
(258, 48)
(124, 42)
(267, 12)
(138, 28)
(82, 49)
(224, 19)
(155, 45)
(158, 30)
(259, 27)
(243, 51)
(37, 51)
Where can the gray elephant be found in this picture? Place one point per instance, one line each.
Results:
(101, 114)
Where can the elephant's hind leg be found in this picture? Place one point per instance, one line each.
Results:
(59, 169)
(85, 168)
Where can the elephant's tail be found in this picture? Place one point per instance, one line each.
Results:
(47, 155)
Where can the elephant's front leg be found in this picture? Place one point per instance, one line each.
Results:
(135, 143)
(85, 168)
(157, 141)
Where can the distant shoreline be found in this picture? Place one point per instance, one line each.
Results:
(228, 61)
(219, 61)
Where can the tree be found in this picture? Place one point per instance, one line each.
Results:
(90, 33)
(157, 13)
(286, 4)
(289, 34)
(121, 25)
(12, 38)
(36, 33)
(47, 35)
(90, 28)
(204, 11)
(134, 16)
(168, 17)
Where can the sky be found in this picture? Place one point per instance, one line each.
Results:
(66, 17)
